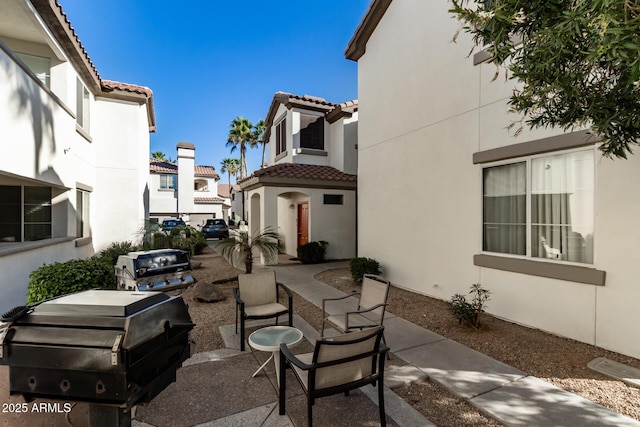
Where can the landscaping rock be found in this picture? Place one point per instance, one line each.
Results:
(207, 292)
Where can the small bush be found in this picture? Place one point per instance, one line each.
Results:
(76, 275)
(361, 265)
(114, 250)
(468, 313)
(185, 238)
(312, 252)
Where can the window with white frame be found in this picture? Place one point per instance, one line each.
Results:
(541, 207)
(281, 136)
(39, 65)
(83, 228)
(82, 105)
(168, 182)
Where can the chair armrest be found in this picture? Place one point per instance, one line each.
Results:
(288, 291)
(291, 358)
(366, 310)
(336, 299)
(236, 295)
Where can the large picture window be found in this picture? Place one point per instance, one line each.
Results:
(312, 132)
(542, 207)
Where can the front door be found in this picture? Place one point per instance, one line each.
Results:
(303, 223)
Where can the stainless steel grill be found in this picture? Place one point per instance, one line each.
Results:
(157, 270)
(105, 347)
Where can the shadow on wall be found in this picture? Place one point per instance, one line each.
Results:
(29, 98)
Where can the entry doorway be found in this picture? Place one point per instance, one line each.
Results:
(303, 223)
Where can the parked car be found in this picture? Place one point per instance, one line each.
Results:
(216, 228)
(170, 224)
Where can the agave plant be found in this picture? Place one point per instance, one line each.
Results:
(239, 246)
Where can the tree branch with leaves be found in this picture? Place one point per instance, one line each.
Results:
(578, 62)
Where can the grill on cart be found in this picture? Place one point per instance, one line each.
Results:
(110, 348)
(157, 270)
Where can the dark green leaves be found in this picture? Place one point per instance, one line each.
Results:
(578, 61)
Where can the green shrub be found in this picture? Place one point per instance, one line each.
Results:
(312, 252)
(468, 313)
(76, 275)
(360, 266)
(114, 250)
(185, 238)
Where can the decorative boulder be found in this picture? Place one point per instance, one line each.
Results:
(207, 292)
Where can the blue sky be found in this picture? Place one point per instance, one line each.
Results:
(210, 61)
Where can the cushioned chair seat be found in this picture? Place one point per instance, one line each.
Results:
(265, 310)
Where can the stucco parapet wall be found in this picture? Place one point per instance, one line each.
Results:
(541, 268)
(14, 248)
(269, 181)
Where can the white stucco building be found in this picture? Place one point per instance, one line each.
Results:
(542, 220)
(308, 191)
(74, 168)
(184, 189)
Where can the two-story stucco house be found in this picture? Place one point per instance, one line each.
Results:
(73, 169)
(308, 191)
(183, 189)
(542, 220)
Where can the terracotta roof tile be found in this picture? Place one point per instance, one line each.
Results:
(111, 85)
(160, 166)
(302, 171)
(206, 171)
(208, 200)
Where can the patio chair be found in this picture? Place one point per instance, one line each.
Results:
(337, 365)
(369, 312)
(257, 297)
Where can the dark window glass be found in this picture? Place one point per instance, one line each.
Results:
(312, 132)
(333, 199)
(281, 136)
(10, 211)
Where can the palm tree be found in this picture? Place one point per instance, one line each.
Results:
(258, 130)
(239, 246)
(230, 167)
(240, 135)
(159, 155)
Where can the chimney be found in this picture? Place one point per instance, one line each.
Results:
(186, 165)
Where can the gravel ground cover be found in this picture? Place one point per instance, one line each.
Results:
(560, 361)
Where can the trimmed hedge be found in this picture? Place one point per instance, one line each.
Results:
(76, 275)
(61, 278)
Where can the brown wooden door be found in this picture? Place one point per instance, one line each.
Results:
(303, 223)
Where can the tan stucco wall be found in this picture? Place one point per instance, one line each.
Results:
(424, 109)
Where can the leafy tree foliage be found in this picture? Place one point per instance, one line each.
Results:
(578, 62)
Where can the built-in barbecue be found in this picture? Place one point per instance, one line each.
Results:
(114, 349)
(157, 270)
